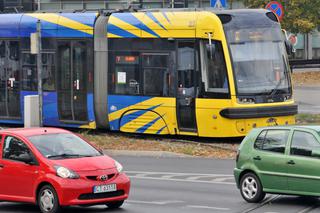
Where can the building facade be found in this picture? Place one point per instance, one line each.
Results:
(307, 45)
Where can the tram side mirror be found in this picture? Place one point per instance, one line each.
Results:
(289, 47)
(211, 49)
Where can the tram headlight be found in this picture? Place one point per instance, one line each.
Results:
(287, 98)
(245, 100)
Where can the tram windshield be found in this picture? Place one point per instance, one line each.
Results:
(259, 59)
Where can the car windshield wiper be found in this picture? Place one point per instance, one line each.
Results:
(65, 155)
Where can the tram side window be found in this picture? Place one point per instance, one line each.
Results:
(29, 72)
(2, 49)
(48, 72)
(186, 68)
(155, 75)
(214, 71)
(126, 77)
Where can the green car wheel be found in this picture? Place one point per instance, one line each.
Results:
(251, 188)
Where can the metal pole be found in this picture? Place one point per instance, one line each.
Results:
(39, 6)
(39, 68)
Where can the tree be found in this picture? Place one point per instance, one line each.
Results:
(300, 16)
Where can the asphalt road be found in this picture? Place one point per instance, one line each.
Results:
(307, 98)
(186, 185)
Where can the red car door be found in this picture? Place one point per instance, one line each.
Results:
(17, 178)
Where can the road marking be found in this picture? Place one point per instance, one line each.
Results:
(183, 177)
(208, 207)
(177, 173)
(182, 180)
(208, 176)
(222, 179)
(170, 176)
(154, 202)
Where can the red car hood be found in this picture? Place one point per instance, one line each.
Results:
(86, 163)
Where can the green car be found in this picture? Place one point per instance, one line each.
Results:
(279, 160)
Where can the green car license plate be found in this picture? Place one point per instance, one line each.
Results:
(105, 188)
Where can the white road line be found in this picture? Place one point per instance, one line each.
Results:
(154, 202)
(177, 173)
(208, 207)
(223, 179)
(170, 176)
(141, 175)
(183, 180)
(204, 176)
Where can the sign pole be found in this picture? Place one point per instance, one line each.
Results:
(39, 68)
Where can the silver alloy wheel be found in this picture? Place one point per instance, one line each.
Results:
(47, 200)
(249, 187)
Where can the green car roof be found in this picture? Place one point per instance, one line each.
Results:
(312, 127)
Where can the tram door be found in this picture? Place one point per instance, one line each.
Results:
(186, 88)
(72, 81)
(9, 80)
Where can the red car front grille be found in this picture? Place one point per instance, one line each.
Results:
(92, 196)
(95, 177)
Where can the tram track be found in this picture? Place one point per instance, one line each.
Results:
(309, 209)
(264, 203)
(229, 144)
(271, 200)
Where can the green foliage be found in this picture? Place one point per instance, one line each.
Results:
(301, 16)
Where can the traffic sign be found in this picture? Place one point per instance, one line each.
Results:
(218, 3)
(293, 39)
(276, 8)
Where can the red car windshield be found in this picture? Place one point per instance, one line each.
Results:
(64, 145)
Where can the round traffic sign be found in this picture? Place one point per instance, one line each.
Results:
(276, 8)
(293, 39)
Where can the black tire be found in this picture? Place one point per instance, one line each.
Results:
(115, 205)
(251, 188)
(47, 196)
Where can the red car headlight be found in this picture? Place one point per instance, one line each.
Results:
(118, 166)
(66, 173)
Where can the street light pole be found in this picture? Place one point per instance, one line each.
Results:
(39, 68)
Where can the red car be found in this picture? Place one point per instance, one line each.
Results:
(54, 168)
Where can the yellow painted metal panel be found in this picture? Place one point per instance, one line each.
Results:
(149, 123)
(212, 124)
(63, 21)
(91, 125)
(166, 108)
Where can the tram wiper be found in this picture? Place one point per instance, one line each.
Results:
(274, 91)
